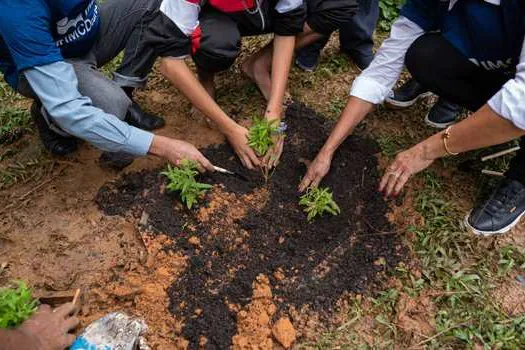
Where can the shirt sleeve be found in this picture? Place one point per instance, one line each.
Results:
(175, 31)
(289, 17)
(56, 86)
(376, 82)
(508, 101)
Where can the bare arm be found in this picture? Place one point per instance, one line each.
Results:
(354, 112)
(178, 73)
(482, 129)
(281, 62)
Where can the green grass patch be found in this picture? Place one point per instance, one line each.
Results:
(13, 122)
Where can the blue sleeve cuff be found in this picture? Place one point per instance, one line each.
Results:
(139, 142)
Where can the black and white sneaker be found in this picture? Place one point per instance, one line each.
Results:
(501, 212)
(407, 94)
(443, 114)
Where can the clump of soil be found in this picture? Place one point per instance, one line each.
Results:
(249, 228)
(254, 321)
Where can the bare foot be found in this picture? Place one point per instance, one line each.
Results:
(257, 68)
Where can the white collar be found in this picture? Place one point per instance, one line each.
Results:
(493, 2)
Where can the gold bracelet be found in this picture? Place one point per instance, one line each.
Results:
(446, 136)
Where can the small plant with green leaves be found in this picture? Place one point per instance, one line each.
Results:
(16, 305)
(182, 180)
(318, 201)
(260, 135)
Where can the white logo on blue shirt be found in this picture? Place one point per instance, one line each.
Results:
(76, 29)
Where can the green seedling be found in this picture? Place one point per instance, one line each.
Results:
(182, 180)
(16, 305)
(260, 135)
(318, 201)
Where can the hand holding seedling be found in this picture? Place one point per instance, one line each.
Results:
(175, 151)
(238, 139)
(49, 329)
(266, 137)
(318, 201)
(24, 326)
(316, 171)
(182, 180)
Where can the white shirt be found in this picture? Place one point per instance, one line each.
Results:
(376, 82)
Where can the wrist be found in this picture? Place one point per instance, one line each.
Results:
(273, 113)
(157, 146)
(432, 148)
(326, 152)
(27, 339)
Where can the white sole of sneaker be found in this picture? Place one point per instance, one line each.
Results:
(404, 104)
(491, 233)
(437, 125)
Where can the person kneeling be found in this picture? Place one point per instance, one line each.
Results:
(50, 53)
(472, 61)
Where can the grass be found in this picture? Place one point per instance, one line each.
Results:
(182, 180)
(460, 272)
(16, 305)
(13, 123)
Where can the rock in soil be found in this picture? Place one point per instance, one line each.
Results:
(284, 332)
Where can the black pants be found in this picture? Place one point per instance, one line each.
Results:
(444, 70)
(221, 33)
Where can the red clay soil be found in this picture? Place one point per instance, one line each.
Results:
(247, 229)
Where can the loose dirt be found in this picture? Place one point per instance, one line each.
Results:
(250, 228)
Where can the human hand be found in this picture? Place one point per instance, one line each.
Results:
(175, 151)
(316, 171)
(406, 164)
(49, 329)
(271, 159)
(238, 139)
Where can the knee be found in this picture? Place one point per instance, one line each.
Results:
(324, 17)
(421, 56)
(218, 51)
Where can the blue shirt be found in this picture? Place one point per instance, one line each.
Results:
(35, 38)
(489, 35)
(39, 32)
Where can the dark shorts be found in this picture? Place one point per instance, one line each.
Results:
(326, 16)
(220, 41)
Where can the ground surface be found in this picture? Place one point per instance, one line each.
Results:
(447, 290)
(249, 228)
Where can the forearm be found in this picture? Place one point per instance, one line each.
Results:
(482, 129)
(283, 48)
(179, 74)
(354, 112)
(14, 339)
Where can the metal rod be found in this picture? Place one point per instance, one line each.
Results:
(500, 154)
(492, 173)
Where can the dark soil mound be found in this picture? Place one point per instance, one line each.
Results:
(320, 261)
